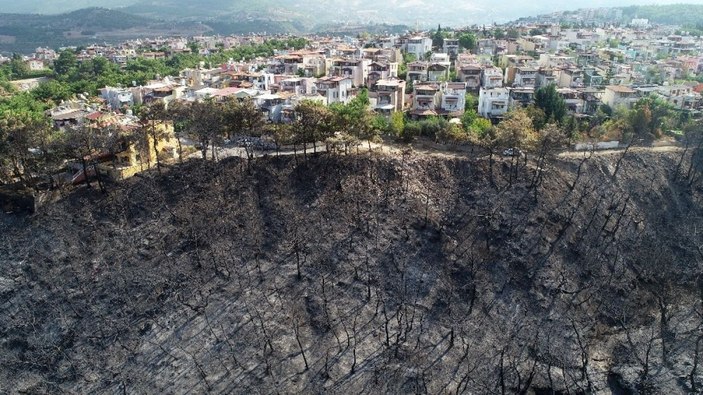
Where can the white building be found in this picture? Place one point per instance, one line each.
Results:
(418, 46)
(639, 22)
(451, 46)
(334, 89)
(492, 77)
(493, 103)
(618, 95)
(453, 98)
(525, 76)
(355, 69)
(389, 96)
(117, 97)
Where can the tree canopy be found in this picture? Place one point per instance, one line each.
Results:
(467, 40)
(548, 100)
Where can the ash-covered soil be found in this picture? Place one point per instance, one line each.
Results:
(363, 274)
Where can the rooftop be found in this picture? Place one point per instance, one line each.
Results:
(620, 89)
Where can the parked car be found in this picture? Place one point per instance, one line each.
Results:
(512, 152)
(255, 142)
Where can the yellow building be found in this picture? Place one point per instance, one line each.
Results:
(136, 151)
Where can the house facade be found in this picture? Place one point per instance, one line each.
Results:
(426, 99)
(453, 99)
(417, 71)
(354, 69)
(450, 46)
(491, 77)
(493, 102)
(418, 46)
(618, 95)
(471, 75)
(334, 89)
(389, 96)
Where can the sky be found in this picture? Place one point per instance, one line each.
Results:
(410, 11)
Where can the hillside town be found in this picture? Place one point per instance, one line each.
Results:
(472, 77)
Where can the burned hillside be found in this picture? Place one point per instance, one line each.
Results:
(369, 273)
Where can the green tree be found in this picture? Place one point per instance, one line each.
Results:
(649, 117)
(516, 130)
(397, 123)
(474, 124)
(23, 103)
(467, 40)
(403, 67)
(513, 33)
(355, 118)
(65, 63)
(438, 38)
(282, 134)
(203, 120)
(468, 118)
(471, 102)
(381, 124)
(411, 130)
(548, 99)
(52, 91)
(25, 146)
(314, 122)
(18, 67)
(480, 127)
(241, 117)
(537, 115)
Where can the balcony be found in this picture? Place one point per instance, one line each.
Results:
(385, 89)
(425, 105)
(425, 94)
(454, 92)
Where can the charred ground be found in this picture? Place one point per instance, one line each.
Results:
(363, 273)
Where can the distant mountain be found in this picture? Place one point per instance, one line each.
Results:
(57, 6)
(87, 18)
(314, 12)
(25, 32)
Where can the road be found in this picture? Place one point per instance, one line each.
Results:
(582, 154)
(443, 152)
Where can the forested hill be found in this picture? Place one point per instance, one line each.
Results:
(380, 273)
(673, 14)
(25, 32)
(687, 15)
